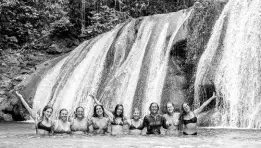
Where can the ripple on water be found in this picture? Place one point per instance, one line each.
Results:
(23, 135)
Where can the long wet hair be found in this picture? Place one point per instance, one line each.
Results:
(152, 104)
(44, 109)
(181, 117)
(77, 109)
(94, 111)
(115, 111)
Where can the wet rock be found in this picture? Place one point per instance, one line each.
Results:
(2, 92)
(14, 68)
(6, 117)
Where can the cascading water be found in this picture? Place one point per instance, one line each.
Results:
(127, 65)
(232, 62)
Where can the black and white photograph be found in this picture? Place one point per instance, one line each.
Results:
(130, 73)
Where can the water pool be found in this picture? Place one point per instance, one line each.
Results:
(22, 135)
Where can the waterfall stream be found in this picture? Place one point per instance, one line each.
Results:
(127, 65)
(232, 62)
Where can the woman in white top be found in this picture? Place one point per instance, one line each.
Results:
(62, 126)
(172, 120)
(79, 124)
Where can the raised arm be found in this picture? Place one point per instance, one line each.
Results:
(199, 110)
(25, 105)
(105, 109)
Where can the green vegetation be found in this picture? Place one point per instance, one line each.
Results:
(38, 24)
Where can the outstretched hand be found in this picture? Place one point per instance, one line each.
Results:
(214, 95)
(18, 94)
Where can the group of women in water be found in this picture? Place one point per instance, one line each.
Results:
(105, 122)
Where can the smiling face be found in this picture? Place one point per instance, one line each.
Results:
(136, 115)
(119, 110)
(48, 112)
(64, 115)
(186, 107)
(99, 111)
(170, 108)
(79, 112)
(154, 108)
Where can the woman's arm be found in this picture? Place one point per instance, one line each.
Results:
(144, 123)
(110, 115)
(199, 110)
(25, 105)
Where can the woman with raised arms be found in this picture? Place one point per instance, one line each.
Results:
(188, 117)
(99, 121)
(43, 124)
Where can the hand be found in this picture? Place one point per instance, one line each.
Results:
(38, 115)
(214, 95)
(18, 94)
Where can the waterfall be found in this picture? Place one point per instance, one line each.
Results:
(232, 62)
(127, 65)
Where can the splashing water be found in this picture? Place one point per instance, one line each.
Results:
(232, 62)
(126, 65)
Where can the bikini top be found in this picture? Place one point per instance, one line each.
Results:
(95, 126)
(133, 127)
(79, 125)
(192, 120)
(114, 122)
(43, 127)
(62, 127)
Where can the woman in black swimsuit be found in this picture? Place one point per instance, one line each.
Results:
(154, 121)
(135, 123)
(79, 124)
(188, 118)
(43, 123)
(99, 122)
(118, 121)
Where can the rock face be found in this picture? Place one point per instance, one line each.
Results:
(14, 70)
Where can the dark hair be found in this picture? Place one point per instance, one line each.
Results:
(115, 111)
(77, 109)
(152, 104)
(181, 117)
(44, 109)
(62, 110)
(94, 111)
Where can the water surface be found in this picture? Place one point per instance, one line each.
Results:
(22, 135)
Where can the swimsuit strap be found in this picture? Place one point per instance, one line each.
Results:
(43, 127)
